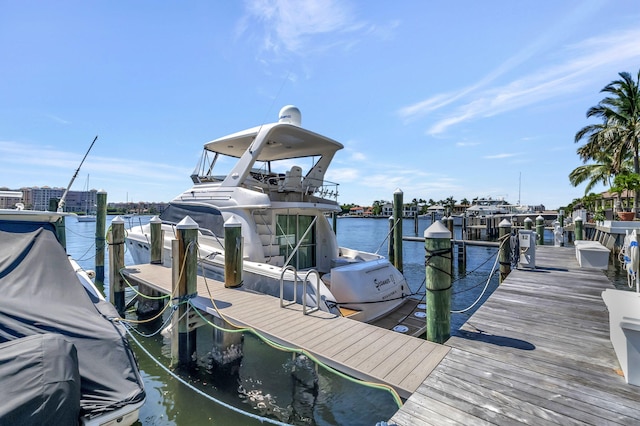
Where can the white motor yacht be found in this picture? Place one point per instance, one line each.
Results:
(271, 179)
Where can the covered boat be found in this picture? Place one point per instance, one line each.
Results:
(63, 357)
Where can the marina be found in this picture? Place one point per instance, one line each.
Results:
(493, 317)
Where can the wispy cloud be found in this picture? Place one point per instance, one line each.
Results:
(499, 156)
(15, 154)
(605, 52)
(291, 25)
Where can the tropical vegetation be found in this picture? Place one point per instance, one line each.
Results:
(610, 154)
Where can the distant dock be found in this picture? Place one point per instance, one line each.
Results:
(536, 352)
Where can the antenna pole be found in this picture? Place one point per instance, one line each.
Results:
(66, 191)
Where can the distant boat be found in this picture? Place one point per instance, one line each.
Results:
(89, 216)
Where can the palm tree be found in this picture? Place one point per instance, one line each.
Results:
(619, 132)
(601, 171)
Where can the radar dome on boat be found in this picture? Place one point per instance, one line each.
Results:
(290, 114)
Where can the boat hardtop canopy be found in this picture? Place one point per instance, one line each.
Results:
(275, 141)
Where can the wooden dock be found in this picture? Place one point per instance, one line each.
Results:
(537, 352)
(361, 350)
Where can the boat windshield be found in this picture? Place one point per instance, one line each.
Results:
(207, 217)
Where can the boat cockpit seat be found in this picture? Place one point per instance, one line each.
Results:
(292, 181)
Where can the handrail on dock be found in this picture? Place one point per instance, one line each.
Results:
(295, 286)
(305, 310)
(304, 292)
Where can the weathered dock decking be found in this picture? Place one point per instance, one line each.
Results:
(358, 349)
(537, 352)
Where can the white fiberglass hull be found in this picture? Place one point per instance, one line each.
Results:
(370, 288)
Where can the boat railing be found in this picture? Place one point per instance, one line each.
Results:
(304, 292)
(306, 280)
(284, 303)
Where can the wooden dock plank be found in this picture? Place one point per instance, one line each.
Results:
(361, 350)
(536, 352)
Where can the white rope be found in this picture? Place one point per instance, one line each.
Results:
(486, 286)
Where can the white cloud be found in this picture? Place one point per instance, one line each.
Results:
(288, 24)
(499, 156)
(581, 68)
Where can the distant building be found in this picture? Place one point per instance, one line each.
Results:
(39, 198)
(356, 211)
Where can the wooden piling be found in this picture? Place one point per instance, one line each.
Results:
(175, 276)
(61, 232)
(150, 306)
(390, 253)
(101, 223)
(116, 263)
(528, 224)
(232, 253)
(437, 245)
(157, 240)
(334, 217)
(540, 230)
(397, 230)
(187, 287)
(504, 229)
(579, 228)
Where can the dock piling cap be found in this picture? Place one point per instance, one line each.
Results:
(187, 223)
(437, 230)
(504, 224)
(117, 219)
(155, 219)
(232, 222)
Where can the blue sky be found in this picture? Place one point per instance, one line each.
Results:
(464, 99)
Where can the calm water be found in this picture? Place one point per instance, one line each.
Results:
(263, 383)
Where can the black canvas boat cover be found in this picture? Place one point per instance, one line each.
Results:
(40, 381)
(40, 294)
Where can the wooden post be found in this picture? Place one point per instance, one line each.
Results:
(415, 221)
(187, 286)
(450, 224)
(504, 229)
(437, 245)
(528, 224)
(334, 217)
(148, 307)
(61, 232)
(540, 230)
(390, 253)
(157, 240)
(175, 275)
(101, 221)
(116, 263)
(578, 228)
(232, 253)
(397, 231)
